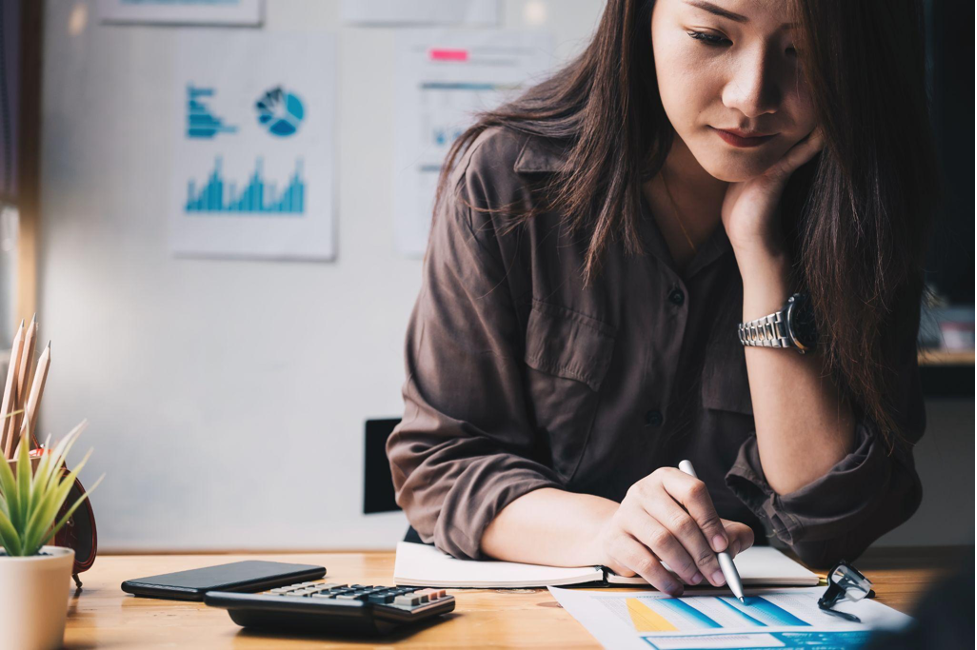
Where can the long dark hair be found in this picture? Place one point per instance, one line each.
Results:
(857, 215)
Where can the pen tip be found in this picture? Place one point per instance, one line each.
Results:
(742, 600)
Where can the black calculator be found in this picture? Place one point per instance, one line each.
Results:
(321, 607)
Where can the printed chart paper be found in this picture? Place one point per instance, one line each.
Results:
(254, 157)
(443, 79)
(182, 12)
(770, 618)
(421, 12)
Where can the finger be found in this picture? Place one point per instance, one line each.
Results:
(687, 532)
(801, 152)
(618, 568)
(634, 555)
(663, 543)
(740, 536)
(694, 497)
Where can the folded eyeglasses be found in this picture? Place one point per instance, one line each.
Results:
(845, 582)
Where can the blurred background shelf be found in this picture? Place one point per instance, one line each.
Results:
(946, 358)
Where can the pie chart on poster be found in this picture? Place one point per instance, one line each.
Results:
(280, 111)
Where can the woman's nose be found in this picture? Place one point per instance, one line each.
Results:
(753, 88)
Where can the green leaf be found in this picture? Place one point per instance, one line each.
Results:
(42, 519)
(71, 510)
(61, 452)
(23, 478)
(8, 536)
(37, 490)
(8, 485)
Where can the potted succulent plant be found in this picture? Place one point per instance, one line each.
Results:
(35, 579)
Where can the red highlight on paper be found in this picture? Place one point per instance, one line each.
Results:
(443, 54)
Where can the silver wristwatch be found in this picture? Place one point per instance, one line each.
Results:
(791, 327)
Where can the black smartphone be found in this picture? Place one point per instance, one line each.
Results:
(248, 576)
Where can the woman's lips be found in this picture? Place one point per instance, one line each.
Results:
(739, 141)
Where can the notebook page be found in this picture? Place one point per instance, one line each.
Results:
(421, 565)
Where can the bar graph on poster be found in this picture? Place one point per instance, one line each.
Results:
(254, 146)
(257, 195)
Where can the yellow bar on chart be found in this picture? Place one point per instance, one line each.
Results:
(646, 619)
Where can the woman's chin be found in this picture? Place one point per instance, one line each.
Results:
(735, 171)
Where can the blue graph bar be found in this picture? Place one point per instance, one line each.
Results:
(201, 123)
(765, 611)
(746, 617)
(694, 617)
(462, 85)
(218, 196)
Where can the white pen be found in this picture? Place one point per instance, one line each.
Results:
(725, 562)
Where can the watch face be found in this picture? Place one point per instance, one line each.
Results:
(800, 322)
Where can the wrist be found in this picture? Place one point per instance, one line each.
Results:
(766, 284)
(595, 537)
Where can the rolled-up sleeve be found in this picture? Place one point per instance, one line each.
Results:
(866, 494)
(464, 448)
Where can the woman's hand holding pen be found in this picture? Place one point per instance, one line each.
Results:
(669, 517)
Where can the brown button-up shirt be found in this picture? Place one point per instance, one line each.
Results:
(519, 377)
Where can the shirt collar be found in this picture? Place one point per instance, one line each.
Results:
(539, 155)
(709, 251)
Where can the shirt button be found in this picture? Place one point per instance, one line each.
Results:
(676, 297)
(654, 418)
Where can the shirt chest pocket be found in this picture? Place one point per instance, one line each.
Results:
(727, 419)
(567, 358)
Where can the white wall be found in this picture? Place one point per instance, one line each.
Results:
(227, 398)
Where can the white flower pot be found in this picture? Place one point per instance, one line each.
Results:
(34, 599)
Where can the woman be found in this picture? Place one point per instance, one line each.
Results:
(596, 243)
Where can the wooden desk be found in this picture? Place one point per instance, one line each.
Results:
(101, 615)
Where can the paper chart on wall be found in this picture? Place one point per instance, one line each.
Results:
(254, 145)
(182, 12)
(770, 618)
(443, 79)
(421, 12)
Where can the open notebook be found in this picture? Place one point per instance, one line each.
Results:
(421, 565)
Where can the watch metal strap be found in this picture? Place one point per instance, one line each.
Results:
(768, 332)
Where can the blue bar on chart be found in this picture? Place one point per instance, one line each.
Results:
(706, 612)
(762, 611)
(201, 123)
(257, 196)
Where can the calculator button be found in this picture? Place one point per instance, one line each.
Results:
(356, 595)
(381, 599)
(407, 600)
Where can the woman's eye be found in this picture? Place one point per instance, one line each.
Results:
(708, 39)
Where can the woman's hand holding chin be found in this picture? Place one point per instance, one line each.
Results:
(749, 211)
